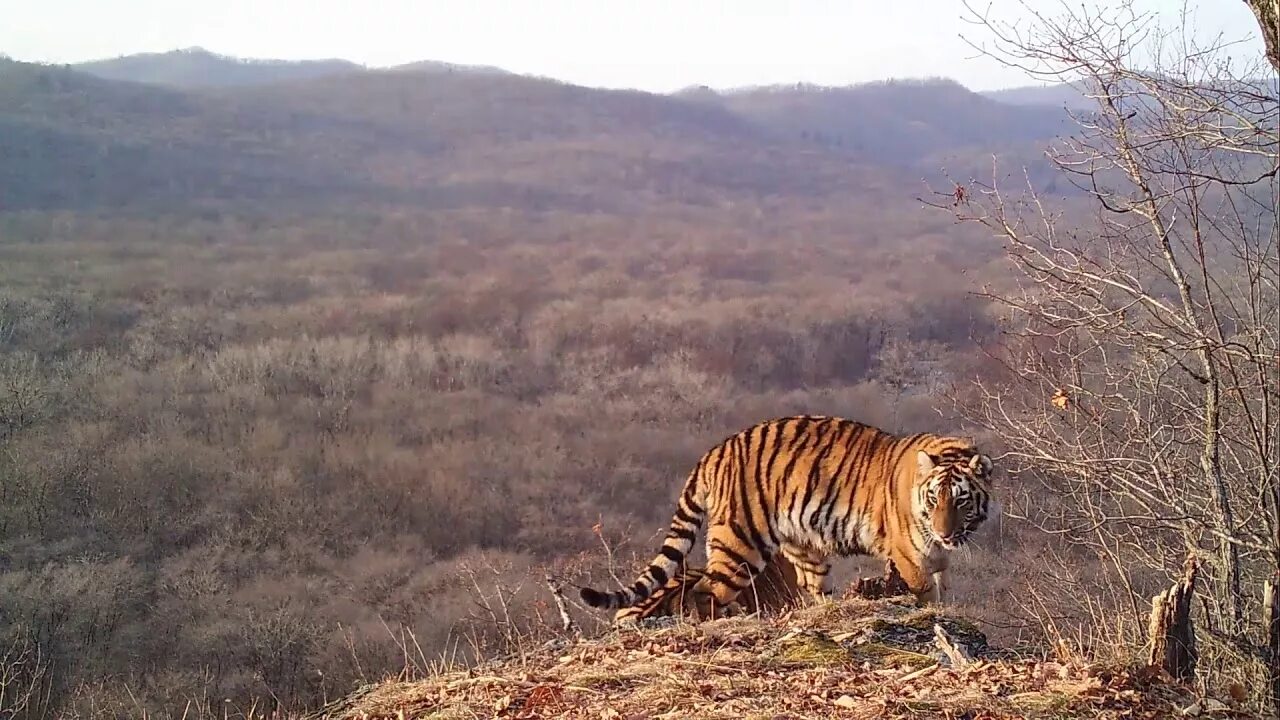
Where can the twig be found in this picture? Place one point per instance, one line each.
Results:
(566, 622)
(916, 674)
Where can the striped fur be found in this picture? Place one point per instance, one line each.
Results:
(673, 597)
(775, 589)
(816, 487)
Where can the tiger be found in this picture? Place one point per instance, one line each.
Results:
(775, 589)
(812, 487)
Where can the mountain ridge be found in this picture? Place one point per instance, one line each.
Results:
(197, 68)
(490, 136)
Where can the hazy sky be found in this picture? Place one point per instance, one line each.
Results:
(648, 44)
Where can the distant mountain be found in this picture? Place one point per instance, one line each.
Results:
(439, 135)
(200, 68)
(71, 140)
(697, 92)
(436, 66)
(1255, 97)
(1075, 96)
(197, 67)
(894, 122)
(1062, 95)
(936, 128)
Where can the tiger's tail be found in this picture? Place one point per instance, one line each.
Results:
(670, 558)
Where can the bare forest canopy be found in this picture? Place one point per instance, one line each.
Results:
(298, 359)
(198, 68)
(432, 137)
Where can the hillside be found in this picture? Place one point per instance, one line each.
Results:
(437, 136)
(853, 659)
(434, 139)
(916, 125)
(197, 67)
(1060, 95)
(896, 121)
(438, 66)
(75, 141)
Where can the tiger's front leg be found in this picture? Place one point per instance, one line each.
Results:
(919, 582)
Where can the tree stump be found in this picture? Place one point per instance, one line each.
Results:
(875, 588)
(1173, 639)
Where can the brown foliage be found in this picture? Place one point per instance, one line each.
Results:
(261, 452)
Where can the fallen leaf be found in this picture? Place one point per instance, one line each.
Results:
(1237, 692)
(845, 701)
(1060, 399)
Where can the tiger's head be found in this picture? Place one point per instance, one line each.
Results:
(953, 496)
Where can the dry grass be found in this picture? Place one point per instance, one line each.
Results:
(853, 658)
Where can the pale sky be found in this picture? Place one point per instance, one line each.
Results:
(656, 45)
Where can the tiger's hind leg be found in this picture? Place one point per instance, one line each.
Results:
(731, 566)
(813, 570)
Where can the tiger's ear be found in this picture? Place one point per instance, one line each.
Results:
(925, 463)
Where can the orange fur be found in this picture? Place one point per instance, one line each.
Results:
(812, 488)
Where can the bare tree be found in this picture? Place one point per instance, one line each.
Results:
(1268, 14)
(1141, 382)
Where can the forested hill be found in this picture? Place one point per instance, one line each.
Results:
(199, 68)
(437, 135)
